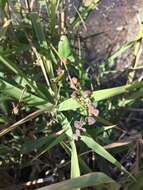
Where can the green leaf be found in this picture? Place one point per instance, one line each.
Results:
(38, 28)
(14, 68)
(44, 60)
(107, 93)
(69, 104)
(132, 98)
(48, 142)
(64, 49)
(83, 166)
(97, 179)
(53, 141)
(102, 152)
(28, 98)
(75, 171)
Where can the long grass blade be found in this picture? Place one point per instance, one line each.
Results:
(96, 179)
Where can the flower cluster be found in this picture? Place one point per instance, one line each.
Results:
(79, 128)
(91, 111)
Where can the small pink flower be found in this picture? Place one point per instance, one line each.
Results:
(90, 120)
(79, 128)
(78, 124)
(92, 110)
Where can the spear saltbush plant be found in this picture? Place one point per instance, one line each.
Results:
(43, 84)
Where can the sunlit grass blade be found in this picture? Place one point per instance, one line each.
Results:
(107, 93)
(4, 29)
(96, 179)
(83, 165)
(73, 104)
(75, 171)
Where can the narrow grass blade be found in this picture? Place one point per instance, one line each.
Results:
(75, 171)
(52, 8)
(102, 152)
(48, 141)
(51, 144)
(20, 122)
(131, 99)
(35, 144)
(96, 179)
(119, 52)
(84, 11)
(107, 93)
(44, 60)
(13, 67)
(30, 99)
(38, 28)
